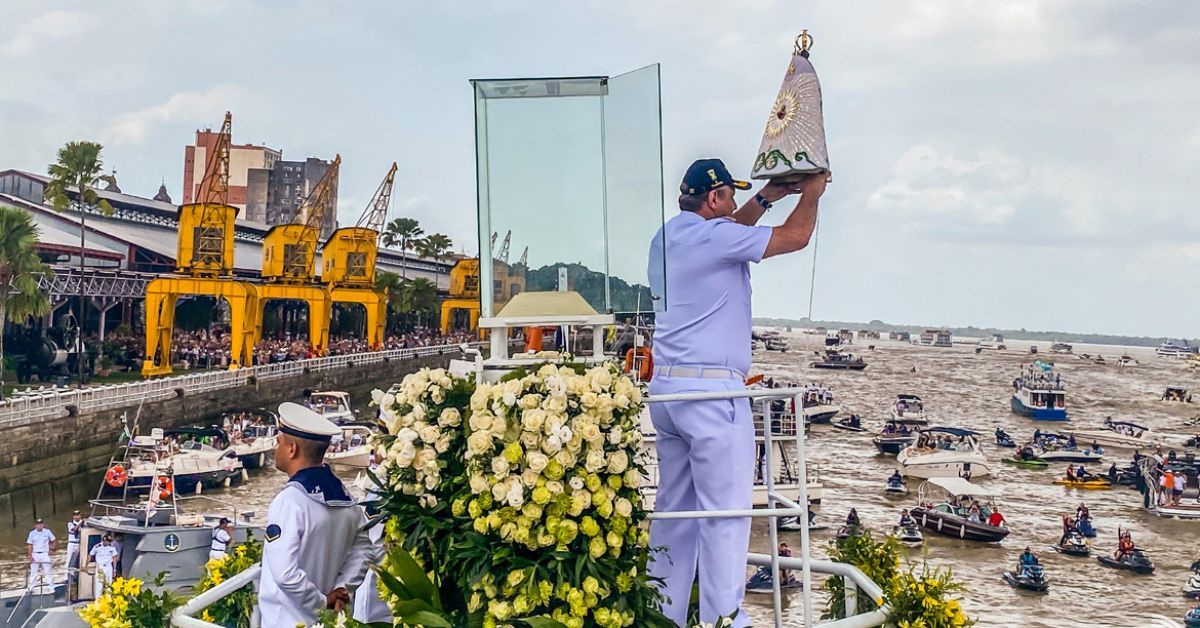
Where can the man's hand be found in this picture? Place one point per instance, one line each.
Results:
(814, 185)
(337, 599)
(777, 189)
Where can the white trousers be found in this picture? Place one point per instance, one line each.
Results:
(368, 606)
(705, 462)
(216, 554)
(104, 577)
(40, 563)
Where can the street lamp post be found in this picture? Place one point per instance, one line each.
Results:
(80, 352)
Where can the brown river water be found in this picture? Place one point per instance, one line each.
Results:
(964, 389)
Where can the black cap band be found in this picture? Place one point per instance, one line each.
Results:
(298, 434)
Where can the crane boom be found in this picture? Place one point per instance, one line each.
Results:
(503, 256)
(214, 187)
(375, 214)
(311, 212)
(524, 257)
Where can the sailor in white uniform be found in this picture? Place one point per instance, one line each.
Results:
(706, 449)
(368, 605)
(104, 555)
(222, 536)
(73, 527)
(41, 543)
(317, 549)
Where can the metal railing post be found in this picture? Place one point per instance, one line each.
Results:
(773, 532)
(805, 557)
(851, 596)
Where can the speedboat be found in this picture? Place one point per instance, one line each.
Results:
(940, 509)
(851, 424)
(191, 465)
(1176, 393)
(909, 408)
(1119, 434)
(895, 486)
(1137, 562)
(353, 448)
(1127, 361)
(762, 582)
(996, 342)
(333, 405)
(1191, 619)
(819, 406)
(833, 359)
(1054, 453)
(1192, 587)
(1030, 578)
(909, 535)
(941, 452)
(1075, 545)
(1041, 399)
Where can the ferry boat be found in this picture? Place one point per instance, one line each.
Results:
(833, 359)
(1179, 349)
(936, 338)
(943, 452)
(995, 342)
(156, 535)
(1040, 397)
(333, 405)
(1061, 347)
(943, 507)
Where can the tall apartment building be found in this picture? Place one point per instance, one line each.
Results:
(266, 188)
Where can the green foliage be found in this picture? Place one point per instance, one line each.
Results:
(917, 598)
(233, 609)
(79, 166)
(127, 602)
(20, 268)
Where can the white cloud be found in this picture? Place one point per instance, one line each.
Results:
(135, 127)
(52, 26)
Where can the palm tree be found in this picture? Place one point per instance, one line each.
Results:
(435, 247)
(421, 296)
(19, 268)
(403, 232)
(79, 166)
(391, 285)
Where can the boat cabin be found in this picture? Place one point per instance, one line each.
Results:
(936, 338)
(908, 405)
(902, 336)
(333, 405)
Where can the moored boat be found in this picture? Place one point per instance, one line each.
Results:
(836, 360)
(1119, 434)
(332, 404)
(943, 452)
(996, 342)
(353, 448)
(1040, 396)
(1178, 350)
(940, 509)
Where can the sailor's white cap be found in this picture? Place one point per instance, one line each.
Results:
(301, 422)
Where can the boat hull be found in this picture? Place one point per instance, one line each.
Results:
(942, 464)
(893, 445)
(839, 367)
(954, 526)
(1031, 464)
(821, 414)
(1069, 456)
(1037, 414)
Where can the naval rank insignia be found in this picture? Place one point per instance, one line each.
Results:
(273, 532)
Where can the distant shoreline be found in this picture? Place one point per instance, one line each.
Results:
(980, 332)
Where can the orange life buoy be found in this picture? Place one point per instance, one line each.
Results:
(645, 370)
(165, 487)
(754, 379)
(116, 476)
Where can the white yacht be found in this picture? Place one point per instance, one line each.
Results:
(1179, 349)
(909, 407)
(333, 405)
(1119, 434)
(943, 452)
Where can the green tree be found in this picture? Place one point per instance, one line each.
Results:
(19, 268)
(391, 285)
(79, 166)
(403, 233)
(420, 295)
(437, 248)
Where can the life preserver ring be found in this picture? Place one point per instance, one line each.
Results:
(116, 476)
(165, 487)
(754, 379)
(646, 366)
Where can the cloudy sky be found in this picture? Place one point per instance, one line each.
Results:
(1017, 164)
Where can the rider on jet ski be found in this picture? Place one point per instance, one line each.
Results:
(852, 519)
(1068, 529)
(1125, 546)
(906, 520)
(1082, 512)
(896, 479)
(1027, 559)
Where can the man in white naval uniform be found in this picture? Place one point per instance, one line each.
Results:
(702, 344)
(105, 556)
(73, 527)
(317, 548)
(41, 543)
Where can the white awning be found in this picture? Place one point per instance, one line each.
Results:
(959, 486)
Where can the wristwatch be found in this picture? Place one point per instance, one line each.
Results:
(762, 200)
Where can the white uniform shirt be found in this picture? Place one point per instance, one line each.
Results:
(103, 556)
(313, 547)
(40, 540)
(707, 290)
(220, 540)
(73, 531)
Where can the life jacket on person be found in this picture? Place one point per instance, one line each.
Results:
(641, 359)
(116, 476)
(165, 487)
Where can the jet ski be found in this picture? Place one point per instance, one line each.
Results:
(761, 582)
(1031, 464)
(1031, 578)
(1076, 545)
(1192, 618)
(1003, 439)
(1084, 525)
(1192, 588)
(846, 532)
(1136, 562)
(792, 524)
(895, 485)
(909, 535)
(1092, 483)
(853, 424)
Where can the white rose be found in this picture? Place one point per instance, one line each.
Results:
(529, 478)
(406, 455)
(547, 371)
(430, 433)
(509, 399)
(554, 487)
(537, 461)
(437, 395)
(533, 419)
(556, 403)
(621, 400)
(565, 434)
(590, 433)
(450, 417)
(623, 507)
(565, 458)
(431, 482)
(500, 466)
(632, 478)
(531, 401)
(530, 440)
(499, 426)
(442, 444)
(479, 421)
(407, 435)
(614, 436)
(552, 445)
(478, 483)
(618, 462)
(588, 399)
(478, 444)
(377, 397)
(576, 482)
(594, 461)
(601, 378)
(605, 404)
(388, 400)
(499, 491)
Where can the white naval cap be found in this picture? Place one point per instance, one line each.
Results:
(301, 422)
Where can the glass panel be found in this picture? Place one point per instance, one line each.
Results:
(633, 188)
(565, 166)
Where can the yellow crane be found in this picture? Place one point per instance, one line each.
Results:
(348, 261)
(204, 259)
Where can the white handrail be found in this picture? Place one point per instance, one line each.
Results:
(25, 407)
(182, 616)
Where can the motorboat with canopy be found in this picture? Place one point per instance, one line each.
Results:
(955, 507)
